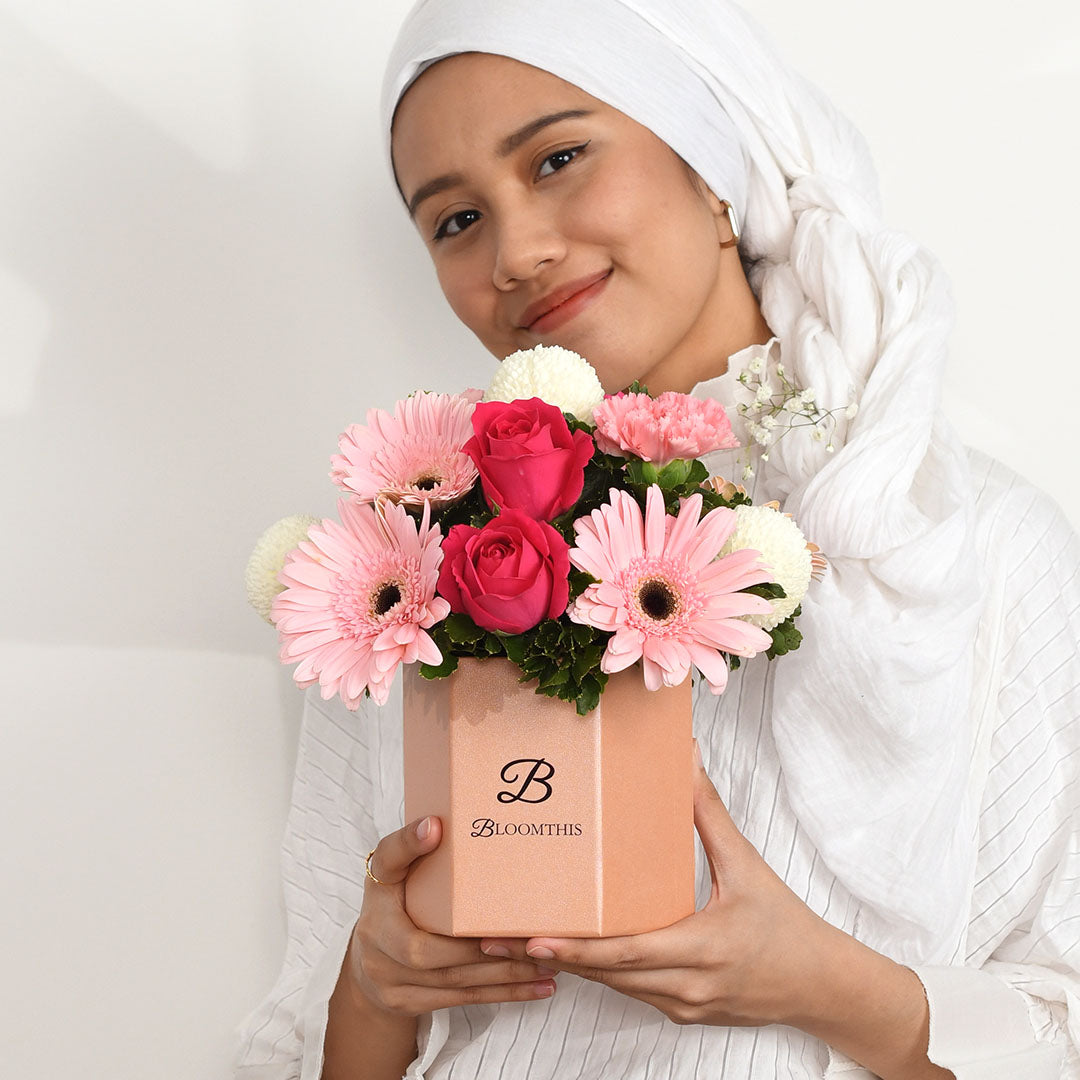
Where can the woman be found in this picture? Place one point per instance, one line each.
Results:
(889, 854)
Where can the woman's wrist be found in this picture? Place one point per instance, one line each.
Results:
(869, 1008)
(364, 1041)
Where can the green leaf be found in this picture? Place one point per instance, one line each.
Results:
(637, 388)
(674, 474)
(514, 647)
(462, 630)
(785, 638)
(579, 581)
(698, 473)
(555, 677)
(574, 424)
(471, 510)
(642, 472)
(769, 590)
(534, 665)
(585, 663)
(440, 671)
(589, 697)
(582, 633)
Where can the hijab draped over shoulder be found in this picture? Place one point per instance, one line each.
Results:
(873, 716)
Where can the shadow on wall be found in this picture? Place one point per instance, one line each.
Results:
(202, 334)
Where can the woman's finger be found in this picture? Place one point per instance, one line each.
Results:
(459, 976)
(391, 933)
(720, 836)
(397, 851)
(417, 1000)
(675, 946)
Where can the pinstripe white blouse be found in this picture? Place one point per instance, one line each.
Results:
(1007, 1008)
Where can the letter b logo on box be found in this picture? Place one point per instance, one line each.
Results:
(534, 786)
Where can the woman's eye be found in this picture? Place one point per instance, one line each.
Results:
(559, 159)
(456, 223)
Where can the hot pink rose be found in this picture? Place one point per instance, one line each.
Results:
(510, 575)
(527, 457)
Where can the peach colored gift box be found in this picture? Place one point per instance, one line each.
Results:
(553, 823)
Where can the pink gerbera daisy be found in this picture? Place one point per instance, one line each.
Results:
(413, 456)
(359, 599)
(661, 429)
(662, 590)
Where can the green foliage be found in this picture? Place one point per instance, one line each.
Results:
(602, 473)
(769, 590)
(710, 500)
(564, 660)
(785, 637)
(678, 479)
(579, 582)
(561, 657)
(472, 510)
(440, 671)
(637, 388)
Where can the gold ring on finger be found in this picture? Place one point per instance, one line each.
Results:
(367, 868)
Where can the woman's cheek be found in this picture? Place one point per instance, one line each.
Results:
(467, 284)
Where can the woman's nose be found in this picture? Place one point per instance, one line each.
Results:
(526, 241)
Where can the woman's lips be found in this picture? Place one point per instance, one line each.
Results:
(574, 299)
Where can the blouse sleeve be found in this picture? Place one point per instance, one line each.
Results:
(330, 829)
(1010, 1006)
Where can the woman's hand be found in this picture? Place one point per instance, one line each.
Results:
(750, 956)
(398, 968)
(755, 954)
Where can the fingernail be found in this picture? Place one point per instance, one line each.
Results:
(544, 990)
(540, 953)
(496, 950)
(423, 829)
(544, 971)
(697, 756)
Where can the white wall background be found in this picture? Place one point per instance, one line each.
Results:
(204, 275)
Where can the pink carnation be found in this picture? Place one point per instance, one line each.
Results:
(359, 599)
(661, 429)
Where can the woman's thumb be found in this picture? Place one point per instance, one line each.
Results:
(711, 818)
(390, 861)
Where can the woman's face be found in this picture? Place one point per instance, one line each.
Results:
(555, 219)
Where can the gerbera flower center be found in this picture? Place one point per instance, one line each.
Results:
(658, 600)
(427, 483)
(386, 597)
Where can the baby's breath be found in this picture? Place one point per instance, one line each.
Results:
(775, 411)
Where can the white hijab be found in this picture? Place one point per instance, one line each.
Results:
(872, 716)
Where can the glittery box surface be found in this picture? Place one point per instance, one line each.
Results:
(553, 824)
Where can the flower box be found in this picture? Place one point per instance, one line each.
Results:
(553, 823)
(574, 540)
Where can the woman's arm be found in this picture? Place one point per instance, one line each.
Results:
(872, 1010)
(362, 1042)
(756, 954)
(394, 971)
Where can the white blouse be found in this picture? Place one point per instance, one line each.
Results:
(1007, 1007)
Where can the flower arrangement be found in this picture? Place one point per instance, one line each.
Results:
(574, 533)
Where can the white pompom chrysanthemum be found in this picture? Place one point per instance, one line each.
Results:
(553, 374)
(266, 561)
(783, 547)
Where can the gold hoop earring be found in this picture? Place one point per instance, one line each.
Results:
(733, 221)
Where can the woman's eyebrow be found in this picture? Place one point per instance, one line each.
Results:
(505, 148)
(523, 134)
